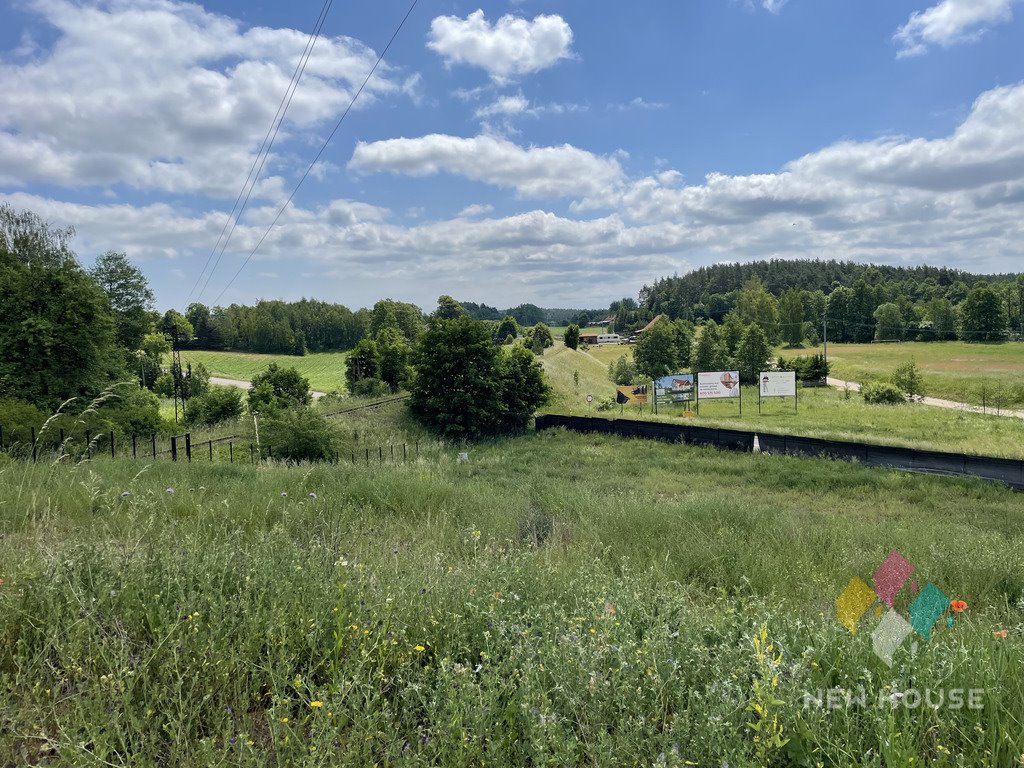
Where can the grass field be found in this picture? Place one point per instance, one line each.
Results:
(557, 600)
(823, 412)
(325, 370)
(953, 370)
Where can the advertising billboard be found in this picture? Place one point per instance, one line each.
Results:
(713, 385)
(677, 388)
(632, 393)
(777, 383)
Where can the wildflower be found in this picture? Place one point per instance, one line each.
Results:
(958, 606)
(284, 719)
(316, 704)
(497, 595)
(125, 494)
(284, 494)
(420, 648)
(170, 490)
(997, 633)
(312, 495)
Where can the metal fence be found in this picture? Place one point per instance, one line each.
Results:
(1008, 471)
(32, 446)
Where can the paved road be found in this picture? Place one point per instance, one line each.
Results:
(248, 385)
(937, 402)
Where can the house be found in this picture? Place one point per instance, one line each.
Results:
(655, 320)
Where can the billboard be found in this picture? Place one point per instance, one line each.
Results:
(632, 393)
(677, 388)
(713, 385)
(777, 383)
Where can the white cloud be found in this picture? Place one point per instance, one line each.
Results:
(504, 105)
(539, 172)
(950, 22)
(773, 6)
(476, 209)
(509, 48)
(163, 95)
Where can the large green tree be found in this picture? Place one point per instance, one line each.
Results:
(709, 352)
(791, 317)
(57, 329)
(889, 324)
(753, 354)
(278, 388)
(982, 315)
(656, 353)
(571, 338)
(130, 297)
(464, 388)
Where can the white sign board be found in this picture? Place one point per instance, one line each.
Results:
(712, 385)
(777, 383)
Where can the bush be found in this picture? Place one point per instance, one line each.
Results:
(278, 388)
(298, 434)
(370, 388)
(164, 385)
(17, 419)
(216, 406)
(623, 371)
(808, 367)
(908, 378)
(882, 393)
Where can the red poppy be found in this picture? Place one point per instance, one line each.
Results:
(958, 606)
(1000, 633)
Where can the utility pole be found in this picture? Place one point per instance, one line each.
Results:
(176, 373)
(826, 347)
(256, 427)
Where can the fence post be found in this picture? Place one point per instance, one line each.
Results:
(88, 444)
(2, 437)
(61, 441)
(270, 452)
(188, 447)
(33, 444)
(417, 449)
(392, 451)
(211, 450)
(252, 451)
(337, 456)
(404, 453)
(367, 457)
(231, 453)
(112, 445)
(135, 453)
(174, 447)
(353, 457)
(153, 437)
(380, 453)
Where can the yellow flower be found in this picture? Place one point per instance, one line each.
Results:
(284, 719)
(420, 648)
(316, 704)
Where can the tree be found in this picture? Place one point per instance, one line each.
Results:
(174, 322)
(299, 434)
(684, 341)
(527, 314)
(889, 324)
(755, 304)
(655, 353)
(572, 336)
(130, 296)
(455, 392)
(942, 317)
(708, 351)
(57, 330)
(732, 330)
(791, 318)
(539, 336)
(395, 353)
(277, 388)
(523, 390)
(362, 363)
(622, 371)
(982, 315)
(507, 327)
(448, 309)
(753, 354)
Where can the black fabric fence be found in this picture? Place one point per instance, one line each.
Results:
(1008, 471)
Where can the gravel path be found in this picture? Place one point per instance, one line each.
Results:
(937, 402)
(248, 385)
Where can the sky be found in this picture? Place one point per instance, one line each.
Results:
(558, 152)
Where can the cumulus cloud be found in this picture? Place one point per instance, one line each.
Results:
(538, 172)
(476, 209)
(163, 95)
(950, 22)
(773, 6)
(505, 105)
(509, 48)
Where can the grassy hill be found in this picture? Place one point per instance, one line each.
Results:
(325, 370)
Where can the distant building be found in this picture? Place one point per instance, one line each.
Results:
(656, 319)
(600, 338)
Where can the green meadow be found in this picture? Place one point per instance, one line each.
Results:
(325, 370)
(556, 600)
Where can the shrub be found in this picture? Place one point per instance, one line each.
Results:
(623, 371)
(808, 367)
(277, 388)
(882, 393)
(299, 434)
(215, 406)
(572, 336)
(17, 419)
(164, 385)
(909, 379)
(370, 388)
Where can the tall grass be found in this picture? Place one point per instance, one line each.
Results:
(556, 600)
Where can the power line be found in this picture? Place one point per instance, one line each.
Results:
(337, 125)
(264, 152)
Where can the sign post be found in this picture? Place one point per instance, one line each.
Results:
(590, 400)
(777, 384)
(719, 385)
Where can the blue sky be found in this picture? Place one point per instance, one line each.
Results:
(563, 153)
